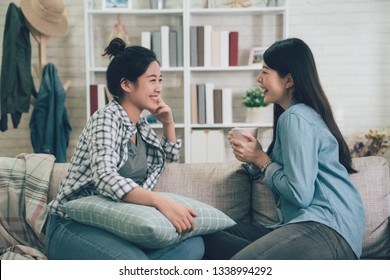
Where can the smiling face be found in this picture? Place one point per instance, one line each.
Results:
(145, 93)
(276, 89)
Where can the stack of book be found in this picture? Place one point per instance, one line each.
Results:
(167, 43)
(207, 145)
(98, 97)
(210, 105)
(213, 48)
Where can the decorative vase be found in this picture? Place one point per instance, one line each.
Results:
(258, 114)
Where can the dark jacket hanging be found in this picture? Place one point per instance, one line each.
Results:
(49, 125)
(17, 84)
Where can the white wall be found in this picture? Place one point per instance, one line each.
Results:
(350, 40)
(351, 44)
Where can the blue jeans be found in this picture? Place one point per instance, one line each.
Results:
(67, 239)
(299, 241)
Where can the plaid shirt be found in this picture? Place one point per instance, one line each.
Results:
(102, 150)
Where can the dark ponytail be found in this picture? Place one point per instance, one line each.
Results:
(115, 47)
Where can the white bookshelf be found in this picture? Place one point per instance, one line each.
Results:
(257, 25)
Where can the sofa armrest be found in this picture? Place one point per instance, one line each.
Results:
(57, 174)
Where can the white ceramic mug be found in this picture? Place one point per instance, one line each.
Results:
(237, 132)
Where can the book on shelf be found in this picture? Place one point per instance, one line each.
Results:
(99, 96)
(224, 49)
(207, 145)
(194, 104)
(215, 145)
(167, 43)
(146, 39)
(93, 99)
(172, 48)
(227, 112)
(193, 46)
(198, 146)
(215, 48)
(201, 98)
(209, 103)
(164, 46)
(204, 45)
(156, 44)
(180, 46)
(200, 45)
(218, 109)
(207, 45)
(233, 48)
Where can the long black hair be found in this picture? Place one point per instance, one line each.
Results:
(126, 63)
(293, 56)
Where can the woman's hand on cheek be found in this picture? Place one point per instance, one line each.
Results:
(163, 112)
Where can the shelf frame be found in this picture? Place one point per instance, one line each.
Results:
(187, 13)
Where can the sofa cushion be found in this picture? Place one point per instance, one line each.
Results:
(225, 186)
(373, 184)
(144, 225)
(263, 204)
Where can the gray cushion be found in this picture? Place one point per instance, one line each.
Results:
(144, 225)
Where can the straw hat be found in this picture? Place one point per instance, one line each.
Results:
(46, 16)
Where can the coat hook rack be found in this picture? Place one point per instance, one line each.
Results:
(42, 61)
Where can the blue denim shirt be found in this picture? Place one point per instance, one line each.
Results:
(308, 180)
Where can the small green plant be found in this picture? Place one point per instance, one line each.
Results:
(254, 97)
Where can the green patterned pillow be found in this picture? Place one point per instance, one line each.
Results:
(144, 225)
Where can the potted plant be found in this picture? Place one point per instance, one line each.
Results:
(253, 100)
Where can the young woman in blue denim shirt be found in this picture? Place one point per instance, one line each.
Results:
(307, 165)
(118, 155)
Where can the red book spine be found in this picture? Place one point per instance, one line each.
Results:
(233, 48)
(93, 98)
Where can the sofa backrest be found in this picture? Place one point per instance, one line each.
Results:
(225, 186)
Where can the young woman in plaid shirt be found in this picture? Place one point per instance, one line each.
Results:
(118, 155)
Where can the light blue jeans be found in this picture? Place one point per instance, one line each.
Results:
(67, 239)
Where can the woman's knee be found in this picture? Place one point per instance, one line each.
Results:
(196, 247)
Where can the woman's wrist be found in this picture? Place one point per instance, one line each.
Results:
(169, 131)
(263, 162)
(168, 124)
(265, 165)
